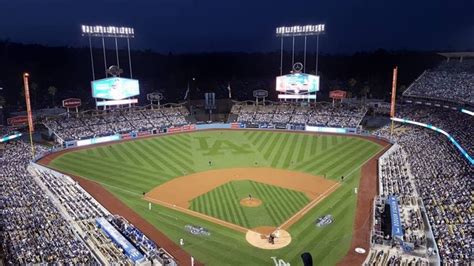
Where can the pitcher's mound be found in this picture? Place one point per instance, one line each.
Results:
(250, 202)
(259, 240)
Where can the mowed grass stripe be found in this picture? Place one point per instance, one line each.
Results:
(172, 156)
(302, 149)
(150, 153)
(264, 143)
(229, 199)
(171, 161)
(324, 144)
(87, 162)
(122, 180)
(281, 147)
(181, 140)
(288, 148)
(123, 150)
(314, 143)
(239, 210)
(101, 152)
(269, 197)
(337, 159)
(108, 160)
(337, 155)
(259, 139)
(232, 199)
(285, 206)
(358, 160)
(252, 135)
(226, 206)
(177, 152)
(313, 159)
(266, 205)
(272, 145)
(290, 205)
(146, 157)
(113, 153)
(182, 149)
(165, 161)
(223, 210)
(293, 147)
(294, 198)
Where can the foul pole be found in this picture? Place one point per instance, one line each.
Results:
(394, 94)
(28, 111)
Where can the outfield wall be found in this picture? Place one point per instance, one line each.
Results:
(194, 127)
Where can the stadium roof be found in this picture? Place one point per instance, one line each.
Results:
(457, 54)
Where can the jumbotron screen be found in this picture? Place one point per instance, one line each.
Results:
(115, 88)
(297, 83)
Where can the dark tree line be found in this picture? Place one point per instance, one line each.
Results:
(61, 72)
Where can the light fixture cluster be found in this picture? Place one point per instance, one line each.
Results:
(300, 30)
(108, 31)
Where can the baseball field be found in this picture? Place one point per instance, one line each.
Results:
(240, 186)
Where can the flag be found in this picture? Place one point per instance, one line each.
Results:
(230, 91)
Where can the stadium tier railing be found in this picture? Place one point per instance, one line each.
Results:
(446, 134)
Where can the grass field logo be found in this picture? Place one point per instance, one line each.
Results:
(220, 147)
(280, 262)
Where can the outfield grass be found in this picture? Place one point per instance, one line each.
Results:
(128, 169)
(223, 202)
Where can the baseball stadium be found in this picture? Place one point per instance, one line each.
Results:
(297, 165)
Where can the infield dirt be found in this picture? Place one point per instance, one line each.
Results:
(180, 191)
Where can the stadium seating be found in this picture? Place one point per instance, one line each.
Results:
(102, 123)
(323, 114)
(443, 179)
(452, 81)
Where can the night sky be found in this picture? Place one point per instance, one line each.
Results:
(245, 25)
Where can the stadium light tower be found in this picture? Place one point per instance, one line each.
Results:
(109, 32)
(300, 31)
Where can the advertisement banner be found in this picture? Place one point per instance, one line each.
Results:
(72, 102)
(17, 120)
(115, 88)
(337, 94)
(397, 228)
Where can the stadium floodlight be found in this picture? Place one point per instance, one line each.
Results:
(300, 31)
(305, 30)
(108, 31)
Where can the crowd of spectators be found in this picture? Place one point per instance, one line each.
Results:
(84, 210)
(453, 81)
(48, 218)
(386, 256)
(459, 125)
(321, 114)
(444, 182)
(395, 179)
(89, 124)
(32, 230)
